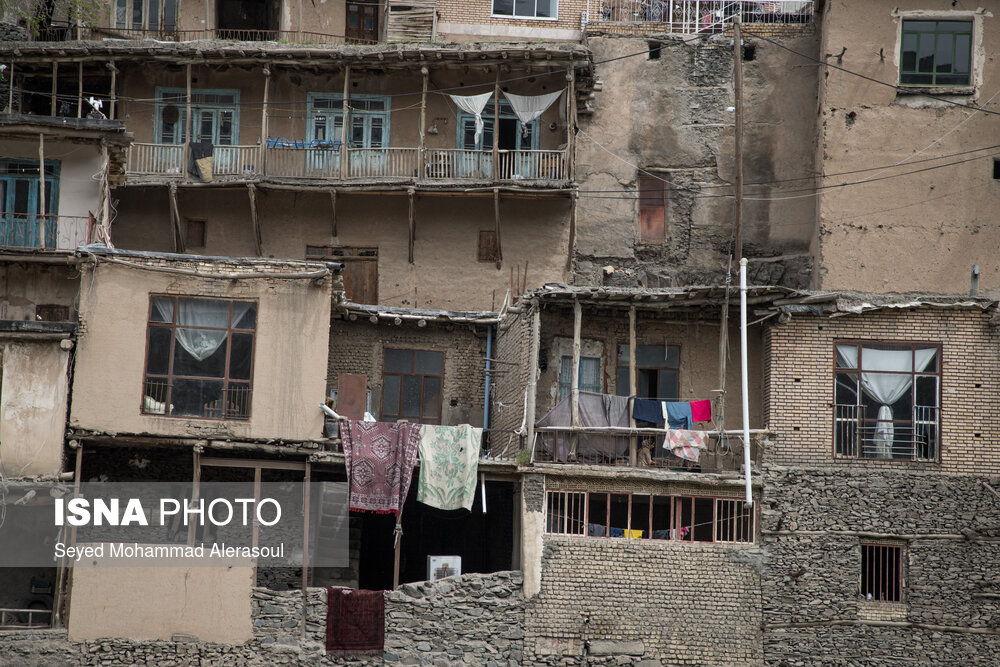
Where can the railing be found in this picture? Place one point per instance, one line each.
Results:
(32, 231)
(858, 436)
(611, 446)
(383, 162)
(532, 165)
(66, 32)
(304, 162)
(159, 159)
(458, 163)
(697, 16)
(13, 619)
(235, 160)
(232, 402)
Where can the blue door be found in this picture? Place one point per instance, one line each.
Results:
(21, 226)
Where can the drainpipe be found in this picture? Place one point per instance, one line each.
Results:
(489, 365)
(746, 382)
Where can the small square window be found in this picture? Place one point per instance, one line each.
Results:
(996, 169)
(882, 572)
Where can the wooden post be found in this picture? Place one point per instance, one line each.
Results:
(114, 88)
(258, 246)
(574, 197)
(106, 193)
(195, 490)
(570, 123)
(423, 123)
(306, 483)
(187, 124)
(78, 471)
(55, 77)
(496, 225)
(410, 192)
(398, 532)
(333, 207)
(41, 189)
(345, 127)
(79, 89)
(738, 94)
(10, 89)
(176, 218)
(574, 415)
(208, 29)
(496, 131)
(263, 121)
(633, 442)
(300, 20)
(536, 333)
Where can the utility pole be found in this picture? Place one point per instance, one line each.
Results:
(738, 93)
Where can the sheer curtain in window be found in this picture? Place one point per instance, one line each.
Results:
(201, 343)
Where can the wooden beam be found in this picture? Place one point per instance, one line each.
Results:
(574, 415)
(496, 133)
(187, 126)
(572, 233)
(333, 210)
(425, 74)
(55, 78)
(570, 123)
(410, 193)
(41, 183)
(307, 483)
(79, 89)
(633, 443)
(263, 120)
(346, 115)
(258, 246)
(496, 225)
(175, 217)
(10, 89)
(105, 193)
(114, 89)
(536, 333)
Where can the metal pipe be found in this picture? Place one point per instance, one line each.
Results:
(746, 383)
(489, 368)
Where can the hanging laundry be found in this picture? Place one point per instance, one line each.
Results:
(686, 444)
(647, 410)
(529, 107)
(379, 457)
(596, 530)
(677, 415)
(701, 411)
(616, 532)
(200, 160)
(473, 104)
(634, 534)
(449, 460)
(355, 621)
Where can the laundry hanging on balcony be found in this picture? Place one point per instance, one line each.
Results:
(529, 107)
(200, 161)
(473, 104)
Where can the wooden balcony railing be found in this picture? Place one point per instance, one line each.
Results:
(32, 231)
(302, 159)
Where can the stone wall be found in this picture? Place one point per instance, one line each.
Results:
(465, 620)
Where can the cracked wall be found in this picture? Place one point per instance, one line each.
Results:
(680, 128)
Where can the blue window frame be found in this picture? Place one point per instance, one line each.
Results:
(369, 119)
(514, 137)
(215, 116)
(21, 226)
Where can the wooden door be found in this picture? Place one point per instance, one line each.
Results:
(360, 280)
(362, 21)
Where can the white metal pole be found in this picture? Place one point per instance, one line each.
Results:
(746, 382)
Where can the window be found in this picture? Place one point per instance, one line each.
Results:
(215, 116)
(514, 135)
(657, 371)
(195, 236)
(881, 572)
(936, 53)
(652, 209)
(590, 375)
(887, 398)
(488, 251)
(369, 119)
(146, 15)
(20, 204)
(528, 9)
(360, 272)
(411, 385)
(649, 516)
(199, 357)
(51, 312)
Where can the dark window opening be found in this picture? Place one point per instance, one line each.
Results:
(195, 237)
(412, 382)
(27, 593)
(488, 251)
(881, 572)
(199, 358)
(996, 169)
(749, 52)
(657, 371)
(51, 313)
(250, 20)
(484, 541)
(654, 50)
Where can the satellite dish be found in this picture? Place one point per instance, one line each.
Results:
(170, 114)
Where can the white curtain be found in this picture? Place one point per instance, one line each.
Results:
(473, 104)
(529, 107)
(886, 388)
(201, 343)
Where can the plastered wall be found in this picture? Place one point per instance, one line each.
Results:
(446, 273)
(669, 117)
(290, 348)
(919, 231)
(32, 407)
(26, 286)
(78, 163)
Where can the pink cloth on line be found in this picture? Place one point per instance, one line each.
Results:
(701, 411)
(379, 457)
(686, 444)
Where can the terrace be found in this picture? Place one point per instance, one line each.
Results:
(688, 17)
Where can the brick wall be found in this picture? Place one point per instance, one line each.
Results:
(800, 383)
(511, 349)
(359, 346)
(479, 12)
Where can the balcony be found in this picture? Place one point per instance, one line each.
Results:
(66, 32)
(32, 231)
(688, 17)
(861, 436)
(326, 160)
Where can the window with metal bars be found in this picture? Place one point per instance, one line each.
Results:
(882, 572)
(650, 516)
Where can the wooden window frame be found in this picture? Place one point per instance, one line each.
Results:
(568, 498)
(569, 387)
(422, 419)
(623, 391)
(170, 376)
(869, 578)
(837, 415)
